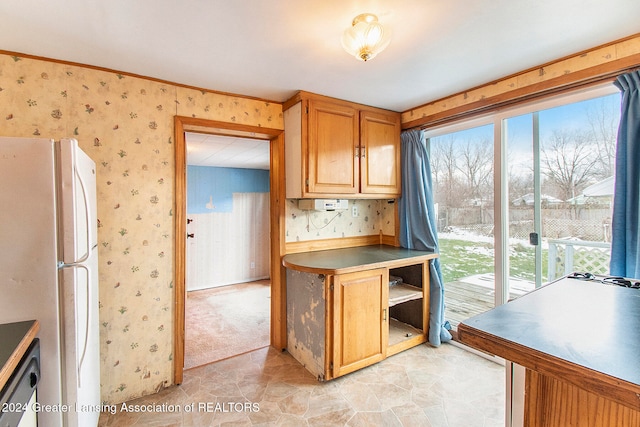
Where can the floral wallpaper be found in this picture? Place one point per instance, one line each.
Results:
(373, 216)
(125, 124)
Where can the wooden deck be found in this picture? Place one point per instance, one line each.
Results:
(474, 295)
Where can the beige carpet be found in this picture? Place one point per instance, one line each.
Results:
(226, 321)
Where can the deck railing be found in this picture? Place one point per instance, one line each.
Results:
(474, 294)
(567, 256)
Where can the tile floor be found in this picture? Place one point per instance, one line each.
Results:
(423, 386)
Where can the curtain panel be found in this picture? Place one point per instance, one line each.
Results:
(625, 237)
(418, 228)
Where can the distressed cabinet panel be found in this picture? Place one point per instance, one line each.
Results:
(306, 316)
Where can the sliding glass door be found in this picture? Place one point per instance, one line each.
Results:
(523, 198)
(559, 164)
(522, 139)
(462, 168)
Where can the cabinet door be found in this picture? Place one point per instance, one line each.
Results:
(333, 135)
(380, 153)
(360, 330)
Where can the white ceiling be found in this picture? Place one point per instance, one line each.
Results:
(271, 48)
(225, 151)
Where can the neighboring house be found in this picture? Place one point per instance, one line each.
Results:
(528, 200)
(601, 192)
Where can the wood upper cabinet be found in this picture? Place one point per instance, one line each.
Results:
(332, 142)
(360, 329)
(339, 149)
(379, 152)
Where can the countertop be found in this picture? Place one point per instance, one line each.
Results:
(584, 332)
(15, 339)
(347, 260)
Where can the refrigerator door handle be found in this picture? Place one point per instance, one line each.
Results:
(83, 353)
(87, 216)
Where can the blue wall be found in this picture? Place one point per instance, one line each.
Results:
(208, 186)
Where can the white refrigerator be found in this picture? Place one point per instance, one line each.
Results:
(48, 269)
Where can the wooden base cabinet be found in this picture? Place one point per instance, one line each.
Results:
(339, 323)
(359, 319)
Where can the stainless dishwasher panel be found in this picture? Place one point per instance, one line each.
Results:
(18, 395)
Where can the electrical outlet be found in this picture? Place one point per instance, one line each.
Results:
(354, 211)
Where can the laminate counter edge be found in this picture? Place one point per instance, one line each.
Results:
(28, 330)
(349, 260)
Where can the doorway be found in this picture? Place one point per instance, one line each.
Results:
(276, 220)
(227, 274)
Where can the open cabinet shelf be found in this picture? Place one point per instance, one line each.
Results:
(400, 332)
(402, 293)
(406, 307)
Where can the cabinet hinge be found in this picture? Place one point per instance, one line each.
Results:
(307, 109)
(306, 182)
(331, 287)
(331, 365)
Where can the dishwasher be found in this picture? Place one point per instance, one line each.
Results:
(18, 396)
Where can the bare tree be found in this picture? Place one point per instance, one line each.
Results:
(567, 161)
(520, 184)
(520, 164)
(476, 166)
(603, 121)
(443, 169)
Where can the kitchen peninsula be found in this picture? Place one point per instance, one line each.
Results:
(579, 342)
(352, 307)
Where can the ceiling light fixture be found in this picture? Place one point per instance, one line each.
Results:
(366, 38)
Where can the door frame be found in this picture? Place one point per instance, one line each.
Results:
(277, 227)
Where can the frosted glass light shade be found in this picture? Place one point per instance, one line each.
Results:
(366, 37)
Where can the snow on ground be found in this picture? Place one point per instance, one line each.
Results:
(460, 234)
(487, 280)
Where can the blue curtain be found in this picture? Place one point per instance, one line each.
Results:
(625, 236)
(418, 223)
